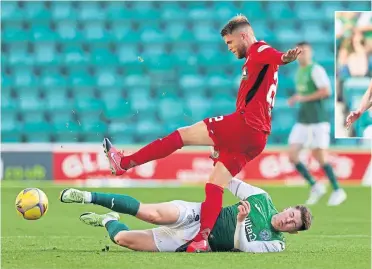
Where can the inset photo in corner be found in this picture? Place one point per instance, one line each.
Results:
(353, 99)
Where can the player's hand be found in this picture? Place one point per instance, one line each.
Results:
(244, 210)
(291, 55)
(351, 118)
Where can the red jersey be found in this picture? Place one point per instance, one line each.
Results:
(256, 95)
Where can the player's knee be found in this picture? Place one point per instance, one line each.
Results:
(154, 217)
(185, 134)
(122, 239)
(293, 157)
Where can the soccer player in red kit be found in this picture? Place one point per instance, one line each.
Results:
(237, 138)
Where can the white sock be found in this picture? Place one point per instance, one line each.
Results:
(105, 220)
(87, 197)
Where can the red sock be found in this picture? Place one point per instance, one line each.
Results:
(157, 149)
(210, 209)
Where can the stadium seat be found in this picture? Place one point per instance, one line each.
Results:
(37, 131)
(62, 10)
(90, 11)
(19, 54)
(277, 10)
(10, 11)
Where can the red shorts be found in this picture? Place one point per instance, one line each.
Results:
(235, 142)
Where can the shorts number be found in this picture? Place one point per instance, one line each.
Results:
(219, 118)
(270, 98)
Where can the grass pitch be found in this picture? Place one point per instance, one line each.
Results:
(340, 236)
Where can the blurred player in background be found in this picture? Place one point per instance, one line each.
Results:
(365, 104)
(237, 138)
(313, 128)
(253, 225)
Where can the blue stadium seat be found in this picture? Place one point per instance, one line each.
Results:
(10, 11)
(67, 30)
(279, 10)
(36, 10)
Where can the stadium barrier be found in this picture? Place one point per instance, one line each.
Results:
(87, 165)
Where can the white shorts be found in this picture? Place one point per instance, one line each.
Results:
(315, 135)
(170, 237)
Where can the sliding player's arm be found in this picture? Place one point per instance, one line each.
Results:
(365, 104)
(242, 190)
(240, 239)
(268, 55)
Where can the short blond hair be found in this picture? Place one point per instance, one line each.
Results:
(236, 22)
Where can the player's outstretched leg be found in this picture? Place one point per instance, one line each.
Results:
(196, 134)
(161, 213)
(119, 232)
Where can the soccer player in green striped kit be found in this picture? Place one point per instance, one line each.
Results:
(253, 225)
(312, 129)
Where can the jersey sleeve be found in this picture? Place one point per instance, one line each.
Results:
(241, 242)
(243, 190)
(320, 77)
(264, 54)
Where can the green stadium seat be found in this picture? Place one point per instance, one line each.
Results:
(116, 10)
(24, 77)
(58, 101)
(314, 32)
(45, 54)
(19, 55)
(287, 31)
(171, 109)
(253, 10)
(93, 131)
(90, 11)
(6, 83)
(117, 109)
(33, 116)
(307, 11)
(199, 107)
(173, 12)
(119, 33)
(149, 130)
(14, 32)
(41, 31)
(31, 101)
(223, 104)
(224, 11)
(198, 14)
(10, 11)
(10, 130)
(357, 5)
(329, 7)
(280, 10)
(66, 131)
(62, 10)
(121, 132)
(37, 131)
(67, 30)
(128, 54)
(134, 81)
(150, 34)
(219, 83)
(94, 31)
(52, 80)
(80, 79)
(73, 54)
(36, 10)
(101, 55)
(141, 101)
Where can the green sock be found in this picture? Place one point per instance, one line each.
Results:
(305, 173)
(331, 176)
(116, 202)
(113, 227)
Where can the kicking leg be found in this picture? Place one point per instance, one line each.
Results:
(211, 207)
(119, 232)
(160, 214)
(196, 134)
(339, 195)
